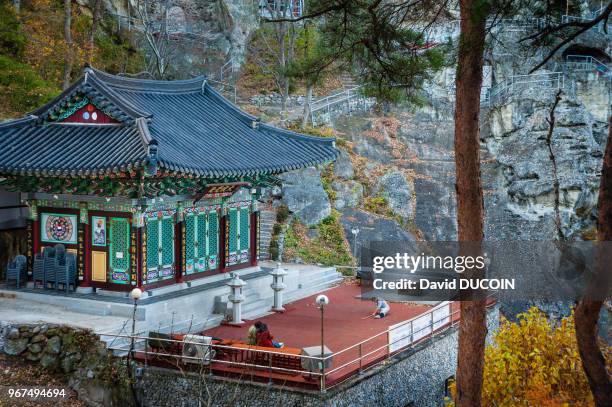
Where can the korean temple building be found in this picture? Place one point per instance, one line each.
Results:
(149, 183)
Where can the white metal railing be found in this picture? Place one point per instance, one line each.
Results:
(537, 82)
(344, 101)
(587, 63)
(367, 358)
(600, 28)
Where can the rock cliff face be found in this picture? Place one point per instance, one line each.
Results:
(396, 172)
(528, 156)
(206, 33)
(406, 163)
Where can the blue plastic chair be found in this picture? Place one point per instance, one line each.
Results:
(65, 270)
(49, 266)
(38, 270)
(17, 270)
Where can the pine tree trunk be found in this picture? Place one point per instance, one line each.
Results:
(587, 311)
(470, 212)
(68, 38)
(307, 103)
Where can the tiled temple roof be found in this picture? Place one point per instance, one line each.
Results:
(183, 126)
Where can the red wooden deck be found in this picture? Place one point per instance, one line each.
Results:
(300, 326)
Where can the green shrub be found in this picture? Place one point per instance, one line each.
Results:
(12, 39)
(22, 88)
(327, 177)
(282, 214)
(329, 247)
(377, 204)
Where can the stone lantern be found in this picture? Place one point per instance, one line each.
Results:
(278, 285)
(236, 298)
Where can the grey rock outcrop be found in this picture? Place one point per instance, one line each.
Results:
(372, 228)
(304, 195)
(348, 194)
(399, 193)
(522, 175)
(343, 168)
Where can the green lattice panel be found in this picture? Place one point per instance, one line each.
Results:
(201, 253)
(233, 237)
(152, 243)
(120, 244)
(167, 241)
(190, 249)
(244, 229)
(213, 234)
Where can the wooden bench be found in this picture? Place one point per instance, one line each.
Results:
(285, 358)
(158, 342)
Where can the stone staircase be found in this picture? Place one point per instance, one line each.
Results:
(314, 281)
(267, 220)
(254, 306)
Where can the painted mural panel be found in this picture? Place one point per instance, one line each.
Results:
(58, 228)
(98, 235)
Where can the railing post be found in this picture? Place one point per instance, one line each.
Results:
(411, 333)
(323, 390)
(270, 369)
(432, 324)
(360, 359)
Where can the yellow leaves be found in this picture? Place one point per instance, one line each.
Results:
(533, 363)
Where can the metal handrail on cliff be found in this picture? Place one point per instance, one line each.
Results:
(539, 81)
(587, 63)
(601, 28)
(329, 103)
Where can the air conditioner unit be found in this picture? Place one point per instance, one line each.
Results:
(196, 349)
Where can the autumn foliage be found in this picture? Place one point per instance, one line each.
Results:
(535, 363)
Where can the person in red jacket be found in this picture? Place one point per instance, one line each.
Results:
(264, 338)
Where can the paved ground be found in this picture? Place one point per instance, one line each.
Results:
(22, 311)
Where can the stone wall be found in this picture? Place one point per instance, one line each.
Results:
(99, 378)
(415, 377)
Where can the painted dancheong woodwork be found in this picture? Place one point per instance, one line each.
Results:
(201, 231)
(88, 114)
(111, 170)
(160, 246)
(238, 235)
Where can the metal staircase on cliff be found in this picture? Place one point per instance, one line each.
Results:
(344, 101)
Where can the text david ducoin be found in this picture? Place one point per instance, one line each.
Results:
(461, 284)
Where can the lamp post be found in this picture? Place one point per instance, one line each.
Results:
(355, 232)
(135, 295)
(322, 301)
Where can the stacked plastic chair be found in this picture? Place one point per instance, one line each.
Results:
(65, 270)
(49, 266)
(38, 270)
(17, 270)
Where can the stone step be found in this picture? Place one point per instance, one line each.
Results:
(321, 280)
(256, 309)
(317, 274)
(311, 290)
